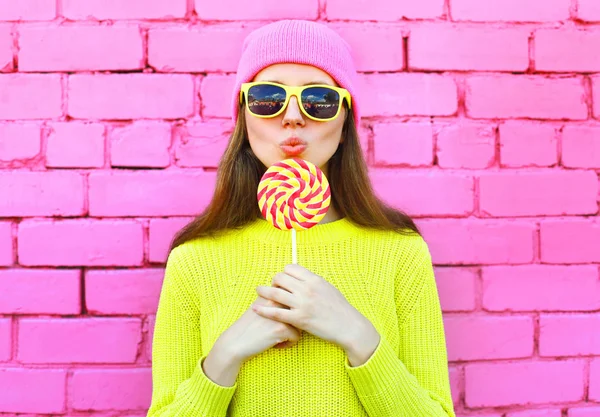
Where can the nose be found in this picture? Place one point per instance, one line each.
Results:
(292, 115)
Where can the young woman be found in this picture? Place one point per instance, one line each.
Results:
(355, 328)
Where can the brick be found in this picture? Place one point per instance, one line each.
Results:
(24, 10)
(39, 291)
(456, 287)
(5, 339)
(382, 52)
(80, 242)
(134, 291)
(267, 10)
(130, 96)
(584, 412)
(364, 137)
(6, 245)
(581, 147)
(443, 47)
(151, 321)
(594, 387)
(537, 413)
(403, 144)
(482, 415)
(214, 102)
(596, 96)
(466, 146)
(554, 50)
(497, 337)
(17, 385)
(588, 10)
(122, 389)
(75, 145)
(501, 96)
(184, 49)
(19, 141)
(524, 144)
(538, 193)
(201, 144)
(67, 48)
(78, 340)
(149, 193)
(6, 47)
(455, 192)
(569, 334)
(524, 382)
(41, 193)
(455, 384)
(582, 249)
(117, 10)
(161, 233)
(408, 94)
(141, 144)
(17, 90)
(384, 10)
(460, 242)
(541, 288)
(510, 10)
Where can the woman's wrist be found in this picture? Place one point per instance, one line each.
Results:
(362, 346)
(221, 367)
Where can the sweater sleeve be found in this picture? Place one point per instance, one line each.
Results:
(179, 385)
(414, 382)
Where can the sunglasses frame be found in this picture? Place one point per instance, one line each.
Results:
(296, 91)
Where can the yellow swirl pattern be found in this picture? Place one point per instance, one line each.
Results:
(294, 194)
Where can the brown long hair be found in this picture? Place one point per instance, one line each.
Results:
(234, 202)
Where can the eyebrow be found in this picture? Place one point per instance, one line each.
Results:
(309, 83)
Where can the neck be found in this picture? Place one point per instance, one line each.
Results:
(324, 232)
(331, 216)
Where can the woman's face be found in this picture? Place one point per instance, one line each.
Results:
(265, 135)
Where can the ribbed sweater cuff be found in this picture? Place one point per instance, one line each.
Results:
(378, 373)
(213, 399)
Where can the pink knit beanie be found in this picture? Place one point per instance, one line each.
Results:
(299, 42)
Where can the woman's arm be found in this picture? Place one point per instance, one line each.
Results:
(414, 382)
(180, 386)
(221, 367)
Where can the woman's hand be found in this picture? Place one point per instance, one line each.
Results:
(315, 306)
(252, 334)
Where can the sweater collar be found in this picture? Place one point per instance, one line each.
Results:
(264, 231)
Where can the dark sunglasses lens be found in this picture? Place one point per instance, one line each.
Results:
(321, 102)
(265, 99)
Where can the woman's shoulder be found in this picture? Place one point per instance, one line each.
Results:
(199, 247)
(403, 239)
(407, 248)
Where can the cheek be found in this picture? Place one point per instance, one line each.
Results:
(333, 130)
(262, 134)
(258, 129)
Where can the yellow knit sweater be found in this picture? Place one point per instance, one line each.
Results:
(388, 277)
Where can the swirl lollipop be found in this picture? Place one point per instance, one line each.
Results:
(293, 194)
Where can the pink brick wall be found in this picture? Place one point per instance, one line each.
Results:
(482, 119)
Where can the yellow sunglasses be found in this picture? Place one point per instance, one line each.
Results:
(320, 102)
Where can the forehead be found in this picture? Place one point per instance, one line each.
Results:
(294, 74)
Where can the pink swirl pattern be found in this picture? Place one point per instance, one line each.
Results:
(294, 194)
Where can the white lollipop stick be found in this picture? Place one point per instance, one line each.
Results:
(306, 188)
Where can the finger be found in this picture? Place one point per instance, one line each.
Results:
(277, 294)
(286, 282)
(278, 314)
(298, 271)
(264, 301)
